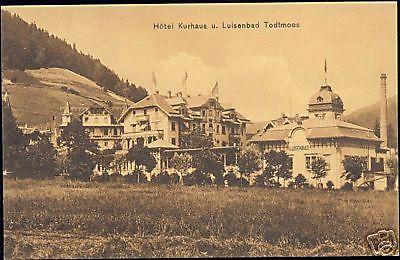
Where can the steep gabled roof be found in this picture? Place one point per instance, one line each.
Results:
(241, 117)
(153, 100)
(96, 105)
(173, 101)
(197, 101)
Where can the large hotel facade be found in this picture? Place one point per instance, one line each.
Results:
(158, 120)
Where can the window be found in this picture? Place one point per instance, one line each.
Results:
(217, 129)
(223, 143)
(133, 112)
(149, 139)
(115, 131)
(320, 99)
(223, 130)
(309, 160)
(144, 111)
(210, 113)
(173, 126)
(105, 131)
(106, 144)
(203, 127)
(203, 112)
(210, 125)
(173, 141)
(194, 126)
(156, 109)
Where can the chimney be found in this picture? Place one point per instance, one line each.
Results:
(383, 126)
(169, 93)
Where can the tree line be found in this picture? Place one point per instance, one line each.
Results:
(33, 156)
(25, 46)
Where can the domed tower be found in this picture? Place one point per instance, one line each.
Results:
(325, 104)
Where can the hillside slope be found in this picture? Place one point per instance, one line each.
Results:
(367, 116)
(38, 95)
(25, 46)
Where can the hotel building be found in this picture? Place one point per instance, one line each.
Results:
(325, 134)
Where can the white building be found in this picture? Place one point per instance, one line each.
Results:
(325, 134)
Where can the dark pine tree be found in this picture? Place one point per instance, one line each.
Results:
(41, 157)
(14, 144)
(82, 152)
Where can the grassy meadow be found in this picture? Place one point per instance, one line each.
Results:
(67, 219)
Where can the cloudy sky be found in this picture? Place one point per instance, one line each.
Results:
(261, 72)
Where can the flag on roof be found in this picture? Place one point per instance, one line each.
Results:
(154, 79)
(214, 91)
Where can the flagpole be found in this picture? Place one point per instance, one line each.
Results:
(154, 82)
(184, 83)
(326, 70)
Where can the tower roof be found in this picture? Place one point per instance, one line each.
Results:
(324, 99)
(324, 95)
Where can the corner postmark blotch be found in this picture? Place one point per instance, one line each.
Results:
(383, 243)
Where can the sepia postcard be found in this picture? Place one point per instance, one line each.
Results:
(200, 130)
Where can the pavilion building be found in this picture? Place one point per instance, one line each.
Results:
(324, 134)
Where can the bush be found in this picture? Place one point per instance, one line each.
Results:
(116, 176)
(243, 182)
(231, 179)
(329, 185)
(161, 178)
(174, 178)
(347, 186)
(189, 180)
(300, 181)
(136, 177)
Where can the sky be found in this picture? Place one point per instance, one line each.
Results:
(263, 72)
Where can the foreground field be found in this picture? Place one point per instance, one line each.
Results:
(50, 219)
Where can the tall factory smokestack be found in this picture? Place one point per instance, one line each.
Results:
(383, 126)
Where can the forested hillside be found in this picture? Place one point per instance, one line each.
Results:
(369, 116)
(25, 46)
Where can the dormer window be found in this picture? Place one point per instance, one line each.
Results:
(320, 99)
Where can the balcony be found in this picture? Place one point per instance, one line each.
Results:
(158, 133)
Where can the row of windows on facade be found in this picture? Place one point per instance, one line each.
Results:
(147, 127)
(184, 111)
(319, 144)
(222, 129)
(106, 131)
(219, 129)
